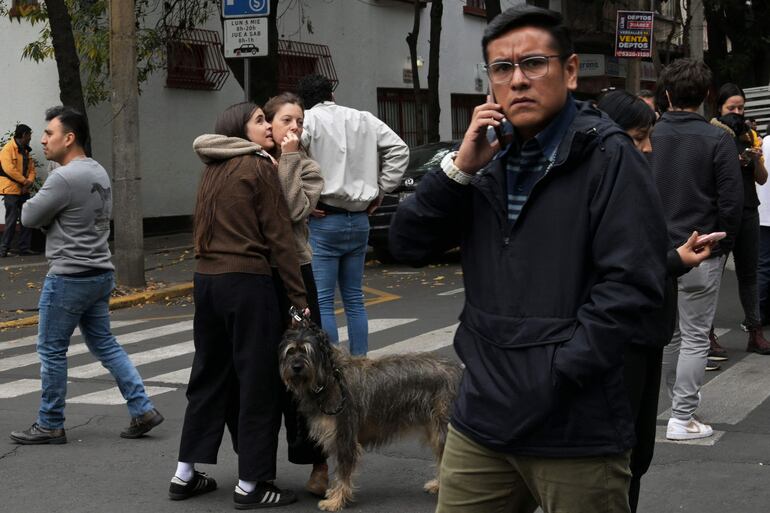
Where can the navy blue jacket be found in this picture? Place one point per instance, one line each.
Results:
(550, 301)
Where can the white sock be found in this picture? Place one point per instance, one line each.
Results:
(184, 471)
(247, 486)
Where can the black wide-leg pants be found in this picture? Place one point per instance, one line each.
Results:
(302, 449)
(234, 378)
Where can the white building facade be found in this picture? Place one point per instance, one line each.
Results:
(366, 42)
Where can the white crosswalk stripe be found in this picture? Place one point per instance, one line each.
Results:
(32, 339)
(22, 360)
(727, 399)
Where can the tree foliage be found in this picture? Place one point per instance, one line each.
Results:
(158, 22)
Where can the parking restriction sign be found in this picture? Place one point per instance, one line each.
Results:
(245, 37)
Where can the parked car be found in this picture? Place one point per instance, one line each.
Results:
(422, 159)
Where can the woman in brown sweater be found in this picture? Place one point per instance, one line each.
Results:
(240, 220)
(302, 184)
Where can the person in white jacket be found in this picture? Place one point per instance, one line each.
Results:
(361, 159)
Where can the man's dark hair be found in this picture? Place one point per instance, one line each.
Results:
(627, 110)
(687, 82)
(21, 131)
(72, 121)
(727, 91)
(646, 93)
(314, 89)
(530, 16)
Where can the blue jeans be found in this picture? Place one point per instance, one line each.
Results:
(66, 302)
(339, 251)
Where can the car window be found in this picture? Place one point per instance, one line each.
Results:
(422, 160)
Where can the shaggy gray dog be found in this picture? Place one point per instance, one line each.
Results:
(354, 403)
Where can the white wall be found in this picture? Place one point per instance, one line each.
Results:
(368, 47)
(169, 120)
(367, 40)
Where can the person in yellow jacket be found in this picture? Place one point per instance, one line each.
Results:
(16, 176)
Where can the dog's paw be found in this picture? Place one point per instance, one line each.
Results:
(331, 505)
(431, 486)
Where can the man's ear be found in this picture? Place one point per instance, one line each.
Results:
(571, 67)
(69, 140)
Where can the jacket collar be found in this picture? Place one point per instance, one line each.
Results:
(681, 116)
(588, 128)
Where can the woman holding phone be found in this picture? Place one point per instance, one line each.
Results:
(731, 102)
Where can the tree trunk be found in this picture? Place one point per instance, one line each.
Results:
(67, 59)
(126, 185)
(411, 41)
(493, 9)
(434, 108)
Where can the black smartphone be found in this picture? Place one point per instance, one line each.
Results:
(499, 128)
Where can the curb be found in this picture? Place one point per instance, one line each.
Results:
(117, 303)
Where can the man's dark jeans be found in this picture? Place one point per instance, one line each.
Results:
(13, 204)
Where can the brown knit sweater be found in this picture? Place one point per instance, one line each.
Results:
(302, 184)
(251, 220)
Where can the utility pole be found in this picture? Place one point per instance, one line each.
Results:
(127, 191)
(696, 29)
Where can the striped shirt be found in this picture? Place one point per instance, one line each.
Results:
(523, 170)
(528, 162)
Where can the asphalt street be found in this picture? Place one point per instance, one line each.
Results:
(409, 310)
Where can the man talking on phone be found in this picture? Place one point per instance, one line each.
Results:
(563, 246)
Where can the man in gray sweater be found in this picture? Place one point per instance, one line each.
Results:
(74, 208)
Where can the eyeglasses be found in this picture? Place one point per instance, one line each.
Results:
(534, 67)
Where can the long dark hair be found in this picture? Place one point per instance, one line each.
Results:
(727, 91)
(627, 110)
(231, 123)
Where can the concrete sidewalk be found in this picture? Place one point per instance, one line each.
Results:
(169, 264)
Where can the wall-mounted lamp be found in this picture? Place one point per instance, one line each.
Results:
(408, 63)
(478, 80)
(408, 68)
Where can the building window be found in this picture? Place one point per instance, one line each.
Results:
(475, 8)
(397, 109)
(194, 60)
(462, 112)
(297, 59)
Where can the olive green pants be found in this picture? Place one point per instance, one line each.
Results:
(475, 479)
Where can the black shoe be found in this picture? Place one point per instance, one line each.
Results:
(28, 252)
(38, 435)
(265, 495)
(142, 424)
(3, 253)
(199, 484)
(711, 365)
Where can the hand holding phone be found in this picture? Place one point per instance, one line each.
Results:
(477, 149)
(708, 238)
